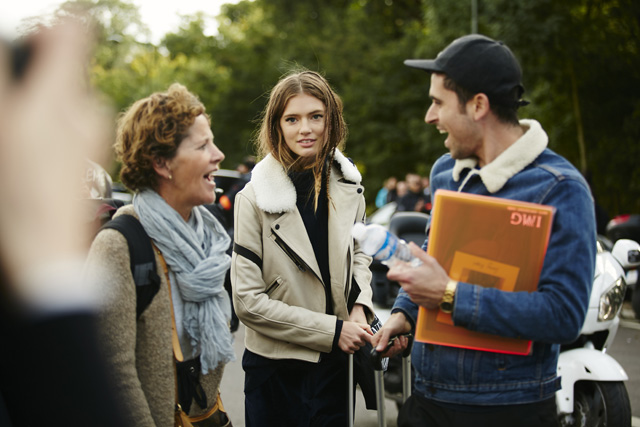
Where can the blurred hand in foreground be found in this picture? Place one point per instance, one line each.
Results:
(50, 123)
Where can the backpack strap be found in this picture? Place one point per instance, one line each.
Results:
(143, 260)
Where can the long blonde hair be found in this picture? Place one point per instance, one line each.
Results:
(270, 139)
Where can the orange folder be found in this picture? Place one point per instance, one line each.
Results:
(486, 241)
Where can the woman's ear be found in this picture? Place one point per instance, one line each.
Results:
(162, 168)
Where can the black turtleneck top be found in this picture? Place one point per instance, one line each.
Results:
(316, 223)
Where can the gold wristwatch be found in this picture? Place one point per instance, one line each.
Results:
(446, 304)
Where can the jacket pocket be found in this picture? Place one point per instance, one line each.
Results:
(274, 286)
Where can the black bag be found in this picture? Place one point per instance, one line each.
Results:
(188, 383)
(363, 367)
(363, 374)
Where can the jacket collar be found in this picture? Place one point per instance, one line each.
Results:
(275, 193)
(511, 161)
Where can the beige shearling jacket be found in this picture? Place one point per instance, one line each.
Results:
(282, 301)
(139, 352)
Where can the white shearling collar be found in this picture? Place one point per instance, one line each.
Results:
(511, 161)
(275, 193)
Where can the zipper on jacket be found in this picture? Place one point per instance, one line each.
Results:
(302, 266)
(291, 254)
(349, 283)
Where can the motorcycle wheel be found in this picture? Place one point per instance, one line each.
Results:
(599, 404)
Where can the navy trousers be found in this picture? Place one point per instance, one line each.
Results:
(296, 393)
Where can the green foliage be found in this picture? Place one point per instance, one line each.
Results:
(582, 64)
(580, 59)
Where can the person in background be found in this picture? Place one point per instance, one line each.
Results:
(425, 185)
(226, 210)
(476, 90)
(169, 157)
(413, 200)
(301, 284)
(401, 190)
(602, 216)
(386, 193)
(247, 165)
(245, 168)
(426, 192)
(52, 369)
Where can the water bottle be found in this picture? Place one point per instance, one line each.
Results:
(384, 246)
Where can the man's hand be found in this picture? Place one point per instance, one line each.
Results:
(396, 325)
(425, 284)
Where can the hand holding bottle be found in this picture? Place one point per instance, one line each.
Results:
(386, 247)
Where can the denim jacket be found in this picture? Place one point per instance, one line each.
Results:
(554, 314)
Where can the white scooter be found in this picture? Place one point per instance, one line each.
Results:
(593, 391)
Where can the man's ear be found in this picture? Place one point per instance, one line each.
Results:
(161, 167)
(480, 106)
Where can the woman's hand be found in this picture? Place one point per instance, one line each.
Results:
(358, 314)
(353, 336)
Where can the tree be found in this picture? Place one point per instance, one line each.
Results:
(580, 61)
(581, 69)
(585, 80)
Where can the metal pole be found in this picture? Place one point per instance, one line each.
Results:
(350, 390)
(379, 381)
(378, 374)
(406, 378)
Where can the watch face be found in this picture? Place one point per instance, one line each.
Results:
(446, 307)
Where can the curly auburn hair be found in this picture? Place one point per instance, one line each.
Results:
(153, 128)
(270, 139)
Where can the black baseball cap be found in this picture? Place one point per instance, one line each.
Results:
(480, 65)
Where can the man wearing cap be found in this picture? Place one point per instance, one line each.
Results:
(476, 90)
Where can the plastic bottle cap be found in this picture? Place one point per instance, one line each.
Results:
(359, 230)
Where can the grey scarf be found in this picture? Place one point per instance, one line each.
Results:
(195, 252)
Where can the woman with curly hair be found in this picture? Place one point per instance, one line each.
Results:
(168, 160)
(301, 285)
